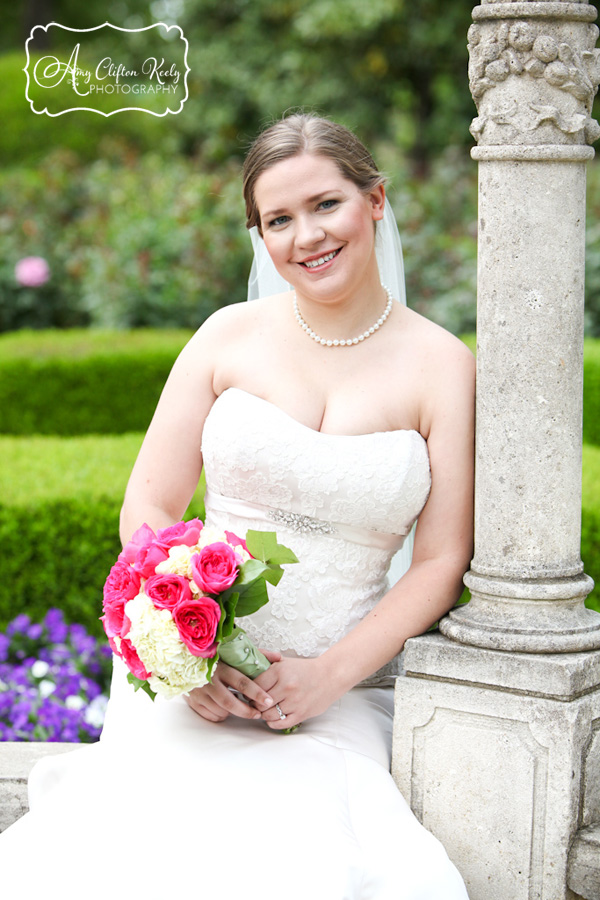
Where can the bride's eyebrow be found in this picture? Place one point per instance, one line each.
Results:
(273, 213)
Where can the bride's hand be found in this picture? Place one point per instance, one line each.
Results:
(216, 701)
(299, 689)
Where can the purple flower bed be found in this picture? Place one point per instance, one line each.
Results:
(54, 681)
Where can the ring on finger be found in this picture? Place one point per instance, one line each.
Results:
(282, 715)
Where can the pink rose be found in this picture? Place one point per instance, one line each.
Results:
(166, 591)
(147, 560)
(113, 647)
(140, 539)
(197, 621)
(182, 533)
(236, 541)
(122, 584)
(32, 271)
(215, 568)
(143, 552)
(134, 663)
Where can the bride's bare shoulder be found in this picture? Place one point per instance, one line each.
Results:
(236, 320)
(439, 348)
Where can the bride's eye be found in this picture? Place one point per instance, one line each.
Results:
(328, 204)
(280, 220)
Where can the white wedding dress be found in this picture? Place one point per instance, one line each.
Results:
(170, 805)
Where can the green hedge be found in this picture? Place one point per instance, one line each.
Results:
(57, 553)
(83, 382)
(59, 522)
(591, 392)
(108, 382)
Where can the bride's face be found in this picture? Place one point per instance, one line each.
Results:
(318, 225)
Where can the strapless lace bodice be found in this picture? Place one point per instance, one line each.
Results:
(343, 503)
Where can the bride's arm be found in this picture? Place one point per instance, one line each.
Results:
(169, 463)
(165, 477)
(442, 551)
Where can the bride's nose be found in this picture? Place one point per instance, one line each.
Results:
(309, 231)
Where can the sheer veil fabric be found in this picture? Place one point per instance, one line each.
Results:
(265, 280)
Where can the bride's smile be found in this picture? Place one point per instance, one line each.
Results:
(321, 260)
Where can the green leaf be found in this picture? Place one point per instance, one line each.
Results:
(250, 571)
(228, 603)
(138, 684)
(273, 574)
(211, 664)
(263, 545)
(252, 599)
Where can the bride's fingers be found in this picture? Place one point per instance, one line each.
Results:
(235, 680)
(277, 717)
(272, 655)
(206, 708)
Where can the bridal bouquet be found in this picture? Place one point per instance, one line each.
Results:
(171, 599)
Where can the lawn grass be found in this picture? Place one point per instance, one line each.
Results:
(81, 343)
(39, 469)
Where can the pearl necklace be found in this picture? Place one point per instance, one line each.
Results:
(341, 342)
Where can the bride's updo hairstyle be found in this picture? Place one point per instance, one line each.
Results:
(306, 133)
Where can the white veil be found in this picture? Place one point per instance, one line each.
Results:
(265, 280)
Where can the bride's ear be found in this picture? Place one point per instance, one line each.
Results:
(377, 198)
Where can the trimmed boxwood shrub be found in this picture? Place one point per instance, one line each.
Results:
(58, 553)
(590, 553)
(591, 392)
(59, 522)
(83, 382)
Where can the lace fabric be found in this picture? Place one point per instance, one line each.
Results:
(343, 503)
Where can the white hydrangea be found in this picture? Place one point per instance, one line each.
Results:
(178, 563)
(155, 637)
(210, 535)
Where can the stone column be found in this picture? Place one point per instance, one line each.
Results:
(497, 728)
(533, 74)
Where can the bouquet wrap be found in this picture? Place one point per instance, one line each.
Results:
(240, 653)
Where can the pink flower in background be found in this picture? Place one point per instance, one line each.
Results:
(32, 271)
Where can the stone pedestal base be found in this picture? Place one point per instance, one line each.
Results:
(498, 754)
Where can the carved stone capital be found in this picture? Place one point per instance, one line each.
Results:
(533, 72)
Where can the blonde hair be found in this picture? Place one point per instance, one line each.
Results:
(307, 133)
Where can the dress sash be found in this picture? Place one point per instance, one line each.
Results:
(303, 524)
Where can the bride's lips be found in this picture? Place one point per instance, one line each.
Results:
(320, 262)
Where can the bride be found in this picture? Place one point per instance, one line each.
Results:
(335, 416)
